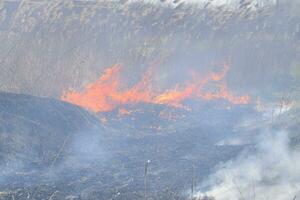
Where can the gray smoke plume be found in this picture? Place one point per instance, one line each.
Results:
(270, 171)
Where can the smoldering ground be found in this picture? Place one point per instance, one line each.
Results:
(37, 134)
(82, 150)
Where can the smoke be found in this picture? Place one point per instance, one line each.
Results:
(269, 171)
(86, 148)
(28, 158)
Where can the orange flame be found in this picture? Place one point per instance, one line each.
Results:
(105, 95)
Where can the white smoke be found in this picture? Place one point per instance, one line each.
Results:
(271, 171)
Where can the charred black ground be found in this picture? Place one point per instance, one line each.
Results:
(41, 154)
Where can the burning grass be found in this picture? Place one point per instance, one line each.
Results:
(105, 94)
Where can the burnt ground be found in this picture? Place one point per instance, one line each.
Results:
(54, 150)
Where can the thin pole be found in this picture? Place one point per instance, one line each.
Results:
(145, 178)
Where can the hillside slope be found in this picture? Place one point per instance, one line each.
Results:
(32, 129)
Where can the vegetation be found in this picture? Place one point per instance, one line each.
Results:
(69, 43)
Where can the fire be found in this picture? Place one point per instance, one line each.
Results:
(105, 94)
(97, 96)
(194, 89)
